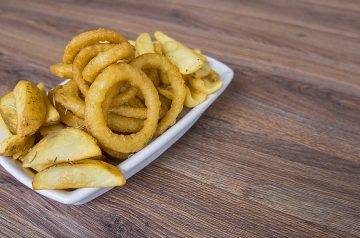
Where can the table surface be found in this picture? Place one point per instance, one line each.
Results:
(277, 155)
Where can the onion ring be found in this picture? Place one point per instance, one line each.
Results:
(62, 70)
(165, 101)
(165, 91)
(156, 61)
(82, 59)
(116, 155)
(119, 52)
(89, 38)
(136, 102)
(124, 124)
(135, 112)
(153, 75)
(124, 97)
(94, 116)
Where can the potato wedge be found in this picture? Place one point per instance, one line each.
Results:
(8, 111)
(199, 54)
(13, 144)
(144, 44)
(184, 58)
(81, 174)
(30, 108)
(41, 167)
(131, 42)
(157, 47)
(46, 130)
(5, 133)
(52, 115)
(208, 84)
(194, 97)
(67, 145)
(204, 71)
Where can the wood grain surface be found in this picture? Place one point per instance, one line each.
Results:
(278, 155)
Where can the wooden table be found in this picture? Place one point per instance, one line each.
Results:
(277, 155)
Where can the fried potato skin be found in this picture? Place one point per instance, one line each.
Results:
(30, 108)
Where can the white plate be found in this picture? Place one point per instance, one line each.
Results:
(137, 161)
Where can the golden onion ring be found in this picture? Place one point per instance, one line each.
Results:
(165, 91)
(135, 112)
(82, 59)
(124, 97)
(62, 70)
(156, 61)
(94, 116)
(89, 38)
(116, 155)
(136, 102)
(153, 75)
(165, 101)
(119, 52)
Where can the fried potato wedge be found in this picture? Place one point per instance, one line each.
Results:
(207, 85)
(52, 115)
(131, 42)
(8, 111)
(66, 145)
(46, 130)
(144, 44)
(204, 71)
(184, 58)
(30, 108)
(41, 167)
(157, 47)
(5, 133)
(81, 174)
(194, 97)
(199, 54)
(13, 145)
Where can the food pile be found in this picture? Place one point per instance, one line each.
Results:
(120, 94)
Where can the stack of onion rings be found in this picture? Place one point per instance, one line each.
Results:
(124, 101)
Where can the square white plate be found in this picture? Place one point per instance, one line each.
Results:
(137, 161)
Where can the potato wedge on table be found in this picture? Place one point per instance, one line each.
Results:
(52, 115)
(80, 174)
(184, 58)
(30, 108)
(67, 145)
(8, 111)
(13, 145)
